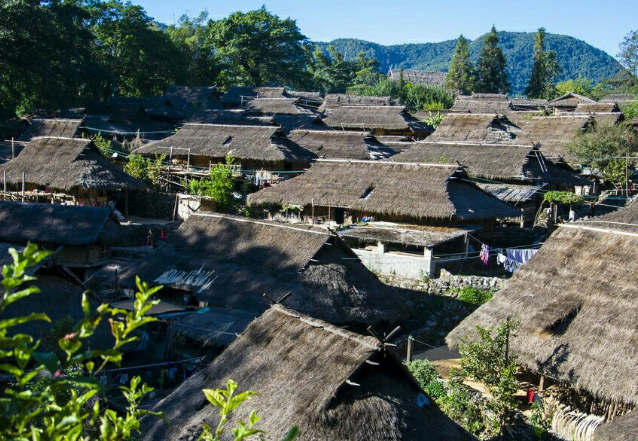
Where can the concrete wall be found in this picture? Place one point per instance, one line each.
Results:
(399, 264)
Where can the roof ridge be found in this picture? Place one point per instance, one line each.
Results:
(320, 324)
(254, 221)
(600, 230)
(368, 161)
(240, 126)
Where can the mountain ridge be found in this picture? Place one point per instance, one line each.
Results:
(575, 56)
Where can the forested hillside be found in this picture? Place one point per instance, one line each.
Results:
(576, 57)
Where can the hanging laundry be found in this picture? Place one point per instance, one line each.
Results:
(520, 255)
(484, 255)
(124, 379)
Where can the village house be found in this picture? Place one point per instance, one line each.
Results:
(121, 118)
(72, 171)
(516, 174)
(341, 144)
(575, 301)
(333, 101)
(620, 99)
(159, 109)
(554, 134)
(220, 261)
(418, 77)
(276, 106)
(80, 237)
(603, 113)
(189, 99)
(239, 95)
(334, 384)
(381, 120)
(569, 102)
(58, 128)
(475, 127)
(482, 103)
(528, 104)
(201, 146)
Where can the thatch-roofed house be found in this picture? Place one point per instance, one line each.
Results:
(311, 99)
(160, 109)
(381, 120)
(253, 146)
(59, 128)
(482, 103)
(554, 134)
(276, 106)
(84, 233)
(303, 121)
(528, 104)
(620, 99)
(475, 127)
(122, 118)
(189, 99)
(235, 117)
(513, 173)
(346, 191)
(339, 144)
(600, 107)
(569, 102)
(576, 304)
(237, 95)
(74, 167)
(334, 384)
(624, 428)
(231, 262)
(335, 100)
(418, 77)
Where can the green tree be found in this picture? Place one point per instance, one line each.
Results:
(219, 186)
(488, 360)
(581, 86)
(628, 55)
(491, 76)
(544, 72)
(461, 74)
(331, 72)
(258, 48)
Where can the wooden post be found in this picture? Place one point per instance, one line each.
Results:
(170, 159)
(13, 149)
(4, 185)
(541, 383)
(626, 173)
(188, 161)
(410, 348)
(23, 185)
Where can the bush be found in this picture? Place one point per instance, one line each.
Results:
(470, 294)
(435, 390)
(463, 405)
(631, 110)
(563, 197)
(428, 378)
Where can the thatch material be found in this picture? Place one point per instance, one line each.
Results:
(216, 141)
(482, 103)
(51, 224)
(528, 104)
(510, 193)
(276, 106)
(120, 117)
(302, 121)
(335, 100)
(67, 164)
(475, 127)
(59, 128)
(576, 302)
(597, 107)
(570, 101)
(238, 95)
(233, 117)
(418, 191)
(622, 100)
(507, 162)
(270, 92)
(232, 262)
(418, 77)
(624, 428)
(191, 98)
(299, 367)
(155, 107)
(416, 235)
(609, 118)
(338, 144)
(313, 99)
(553, 133)
(375, 117)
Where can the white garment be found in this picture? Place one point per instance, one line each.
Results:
(520, 256)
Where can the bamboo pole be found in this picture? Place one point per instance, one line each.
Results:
(23, 185)
(410, 349)
(13, 148)
(4, 185)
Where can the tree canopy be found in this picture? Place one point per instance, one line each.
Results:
(491, 76)
(545, 70)
(461, 74)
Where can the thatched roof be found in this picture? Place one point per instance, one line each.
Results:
(419, 191)
(417, 235)
(270, 92)
(299, 366)
(418, 77)
(528, 103)
(155, 107)
(624, 428)
(597, 107)
(474, 127)
(244, 142)
(61, 128)
(576, 302)
(119, 116)
(237, 95)
(310, 98)
(276, 106)
(234, 117)
(374, 117)
(510, 193)
(232, 262)
(482, 103)
(302, 121)
(553, 133)
(190, 98)
(503, 162)
(67, 164)
(618, 98)
(52, 224)
(335, 100)
(570, 100)
(338, 144)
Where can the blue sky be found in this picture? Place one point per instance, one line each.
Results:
(600, 23)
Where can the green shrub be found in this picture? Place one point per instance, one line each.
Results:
(423, 372)
(563, 197)
(470, 294)
(435, 390)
